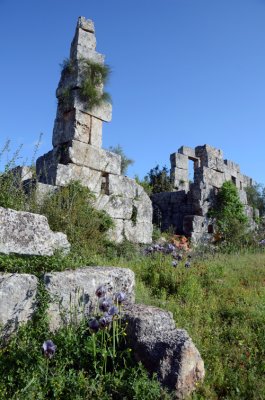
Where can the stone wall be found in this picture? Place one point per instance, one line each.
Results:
(77, 153)
(185, 209)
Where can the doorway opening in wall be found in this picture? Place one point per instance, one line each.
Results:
(191, 171)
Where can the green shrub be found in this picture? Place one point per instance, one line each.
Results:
(231, 221)
(71, 210)
(256, 197)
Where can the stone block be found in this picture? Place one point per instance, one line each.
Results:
(77, 125)
(26, 233)
(143, 209)
(163, 349)
(212, 177)
(17, 301)
(178, 160)
(73, 295)
(89, 178)
(89, 156)
(96, 132)
(121, 185)
(187, 151)
(21, 173)
(86, 24)
(193, 223)
(138, 233)
(116, 206)
(115, 234)
(83, 42)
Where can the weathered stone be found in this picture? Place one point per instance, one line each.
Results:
(65, 174)
(27, 233)
(178, 160)
(164, 349)
(116, 206)
(21, 174)
(187, 151)
(96, 132)
(83, 43)
(73, 292)
(17, 301)
(140, 232)
(86, 24)
(121, 185)
(89, 156)
(143, 208)
(193, 223)
(115, 234)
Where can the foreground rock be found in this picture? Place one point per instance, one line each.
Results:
(17, 300)
(164, 349)
(26, 233)
(73, 295)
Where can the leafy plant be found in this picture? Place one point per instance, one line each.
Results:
(159, 180)
(231, 221)
(71, 210)
(95, 75)
(256, 197)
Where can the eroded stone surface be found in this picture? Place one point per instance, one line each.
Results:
(26, 233)
(17, 300)
(164, 349)
(73, 292)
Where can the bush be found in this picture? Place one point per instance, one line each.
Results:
(256, 197)
(71, 210)
(231, 221)
(125, 161)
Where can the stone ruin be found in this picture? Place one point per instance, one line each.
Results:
(186, 207)
(77, 152)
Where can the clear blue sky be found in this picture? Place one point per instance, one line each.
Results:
(185, 72)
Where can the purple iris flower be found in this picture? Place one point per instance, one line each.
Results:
(101, 291)
(104, 304)
(174, 263)
(105, 320)
(49, 348)
(187, 264)
(93, 324)
(113, 311)
(120, 297)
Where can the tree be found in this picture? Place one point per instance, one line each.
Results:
(256, 197)
(231, 221)
(159, 180)
(125, 161)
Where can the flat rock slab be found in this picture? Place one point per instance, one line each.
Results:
(73, 295)
(164, 349)
(26, 233)
(17, 300)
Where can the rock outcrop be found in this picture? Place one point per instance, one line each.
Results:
(151, 332)
(77, 152)
(163, 349)
(26, 233)
(72, 293)
(17, 300)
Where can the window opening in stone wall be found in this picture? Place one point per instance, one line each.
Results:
(241, 186)
(210, 228)
(191, 171)
(233, 180)
(105, 183)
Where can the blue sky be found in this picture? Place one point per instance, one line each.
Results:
(185, 72)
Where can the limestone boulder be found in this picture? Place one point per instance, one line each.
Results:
(26, 233)
(116, 206)
(73, 295)
(17, 300)
(163, 349)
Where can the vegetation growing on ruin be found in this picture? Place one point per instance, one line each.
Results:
(219, 299)
(228, 211)
(125, 160)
